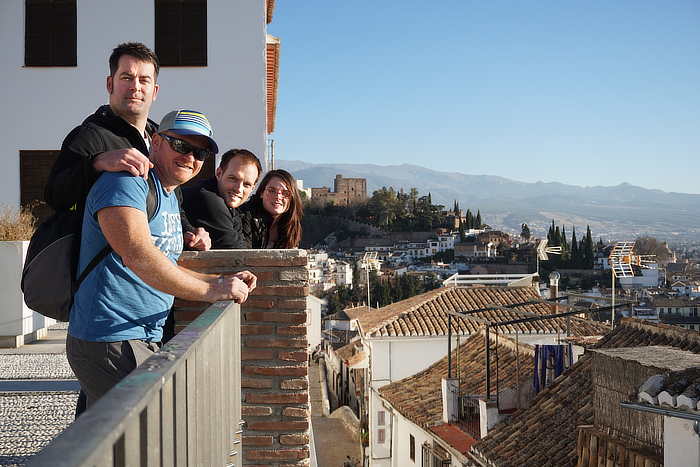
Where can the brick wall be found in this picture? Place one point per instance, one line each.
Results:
(275, 382)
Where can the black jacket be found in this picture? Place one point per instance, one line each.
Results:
(204, 207)
(72, 175)
(256, 223)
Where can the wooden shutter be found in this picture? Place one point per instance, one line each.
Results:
(34, 169)
(50, 33)
(181, 32)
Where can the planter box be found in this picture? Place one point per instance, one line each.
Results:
(19, 325)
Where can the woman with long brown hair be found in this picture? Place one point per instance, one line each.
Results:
(272, 216)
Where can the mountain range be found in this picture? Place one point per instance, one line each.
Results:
(614, 213)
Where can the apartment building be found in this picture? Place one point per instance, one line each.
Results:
(55, 65)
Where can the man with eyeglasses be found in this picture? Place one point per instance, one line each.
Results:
(115, 138)
(119, 310)
(213, 203)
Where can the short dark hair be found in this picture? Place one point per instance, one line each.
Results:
(247, 157)
(132, 49)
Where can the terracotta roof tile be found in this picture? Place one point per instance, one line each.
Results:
(419, 397)
(544, 432)
(424, 315)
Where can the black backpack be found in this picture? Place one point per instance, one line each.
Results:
(48, 276)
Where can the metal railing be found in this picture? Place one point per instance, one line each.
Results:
(181, 407)
(467, 411)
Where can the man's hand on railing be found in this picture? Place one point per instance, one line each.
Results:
(235, 287)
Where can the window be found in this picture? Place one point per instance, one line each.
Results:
(412, 447)
(50, 33)
(381, 436)
(435, 456)
(34, 169)
(380, 417)
(181, 32)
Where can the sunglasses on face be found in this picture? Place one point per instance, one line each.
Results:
(274, 193)
(183, 147)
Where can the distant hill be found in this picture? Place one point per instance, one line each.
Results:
(620, 212)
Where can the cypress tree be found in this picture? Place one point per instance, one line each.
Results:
(573, 259)
(588, 252)
(478, 219)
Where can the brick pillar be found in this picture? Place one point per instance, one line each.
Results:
(275, 381)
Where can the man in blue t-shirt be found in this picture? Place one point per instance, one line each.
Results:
(119, 310)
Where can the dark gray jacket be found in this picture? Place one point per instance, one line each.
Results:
(204, 207)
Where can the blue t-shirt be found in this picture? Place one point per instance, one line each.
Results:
(113, 303)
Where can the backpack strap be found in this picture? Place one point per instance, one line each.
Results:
(151, 198)
(151, 208)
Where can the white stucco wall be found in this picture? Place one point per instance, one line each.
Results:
(43, 104)
(681, 443)
(395, 359)
(313, 321)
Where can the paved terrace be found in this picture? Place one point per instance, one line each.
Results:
(38, 392)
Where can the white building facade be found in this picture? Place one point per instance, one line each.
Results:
(47, 102)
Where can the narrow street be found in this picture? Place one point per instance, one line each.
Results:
(333, 441)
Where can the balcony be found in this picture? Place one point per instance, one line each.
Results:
(228, 363)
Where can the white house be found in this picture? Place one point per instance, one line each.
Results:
(53, 80)
(342, 272)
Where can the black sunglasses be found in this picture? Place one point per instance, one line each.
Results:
(183, 147)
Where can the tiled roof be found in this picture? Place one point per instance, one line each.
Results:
(454, 436)
(346, 351)
(680, 390)
(544, 433)
(423, 315)
(270, 10)
(419, 397)
(356, 312)
(638, 333)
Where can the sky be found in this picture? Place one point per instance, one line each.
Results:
(584, 93)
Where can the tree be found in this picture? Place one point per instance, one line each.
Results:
(478, 219)
(413, 197)
(355, 274)
(649, 246)
(525, 232)
(383, 206)
(574, 259)
(589, 261)
(333, 304)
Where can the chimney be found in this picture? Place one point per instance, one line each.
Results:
(450, 400)
(554, 289)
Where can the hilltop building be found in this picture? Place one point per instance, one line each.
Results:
(346, 192)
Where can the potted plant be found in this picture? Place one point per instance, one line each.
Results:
(18, 324)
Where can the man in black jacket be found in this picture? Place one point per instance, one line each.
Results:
(213, 203)
(115, 138)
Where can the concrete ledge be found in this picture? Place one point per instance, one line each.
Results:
(14, 342)
(349, 419)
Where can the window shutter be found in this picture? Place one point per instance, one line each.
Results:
(50, 33)
(181, 32)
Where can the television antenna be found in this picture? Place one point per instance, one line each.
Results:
(620, 260)
(543, 251)
(369, 261)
